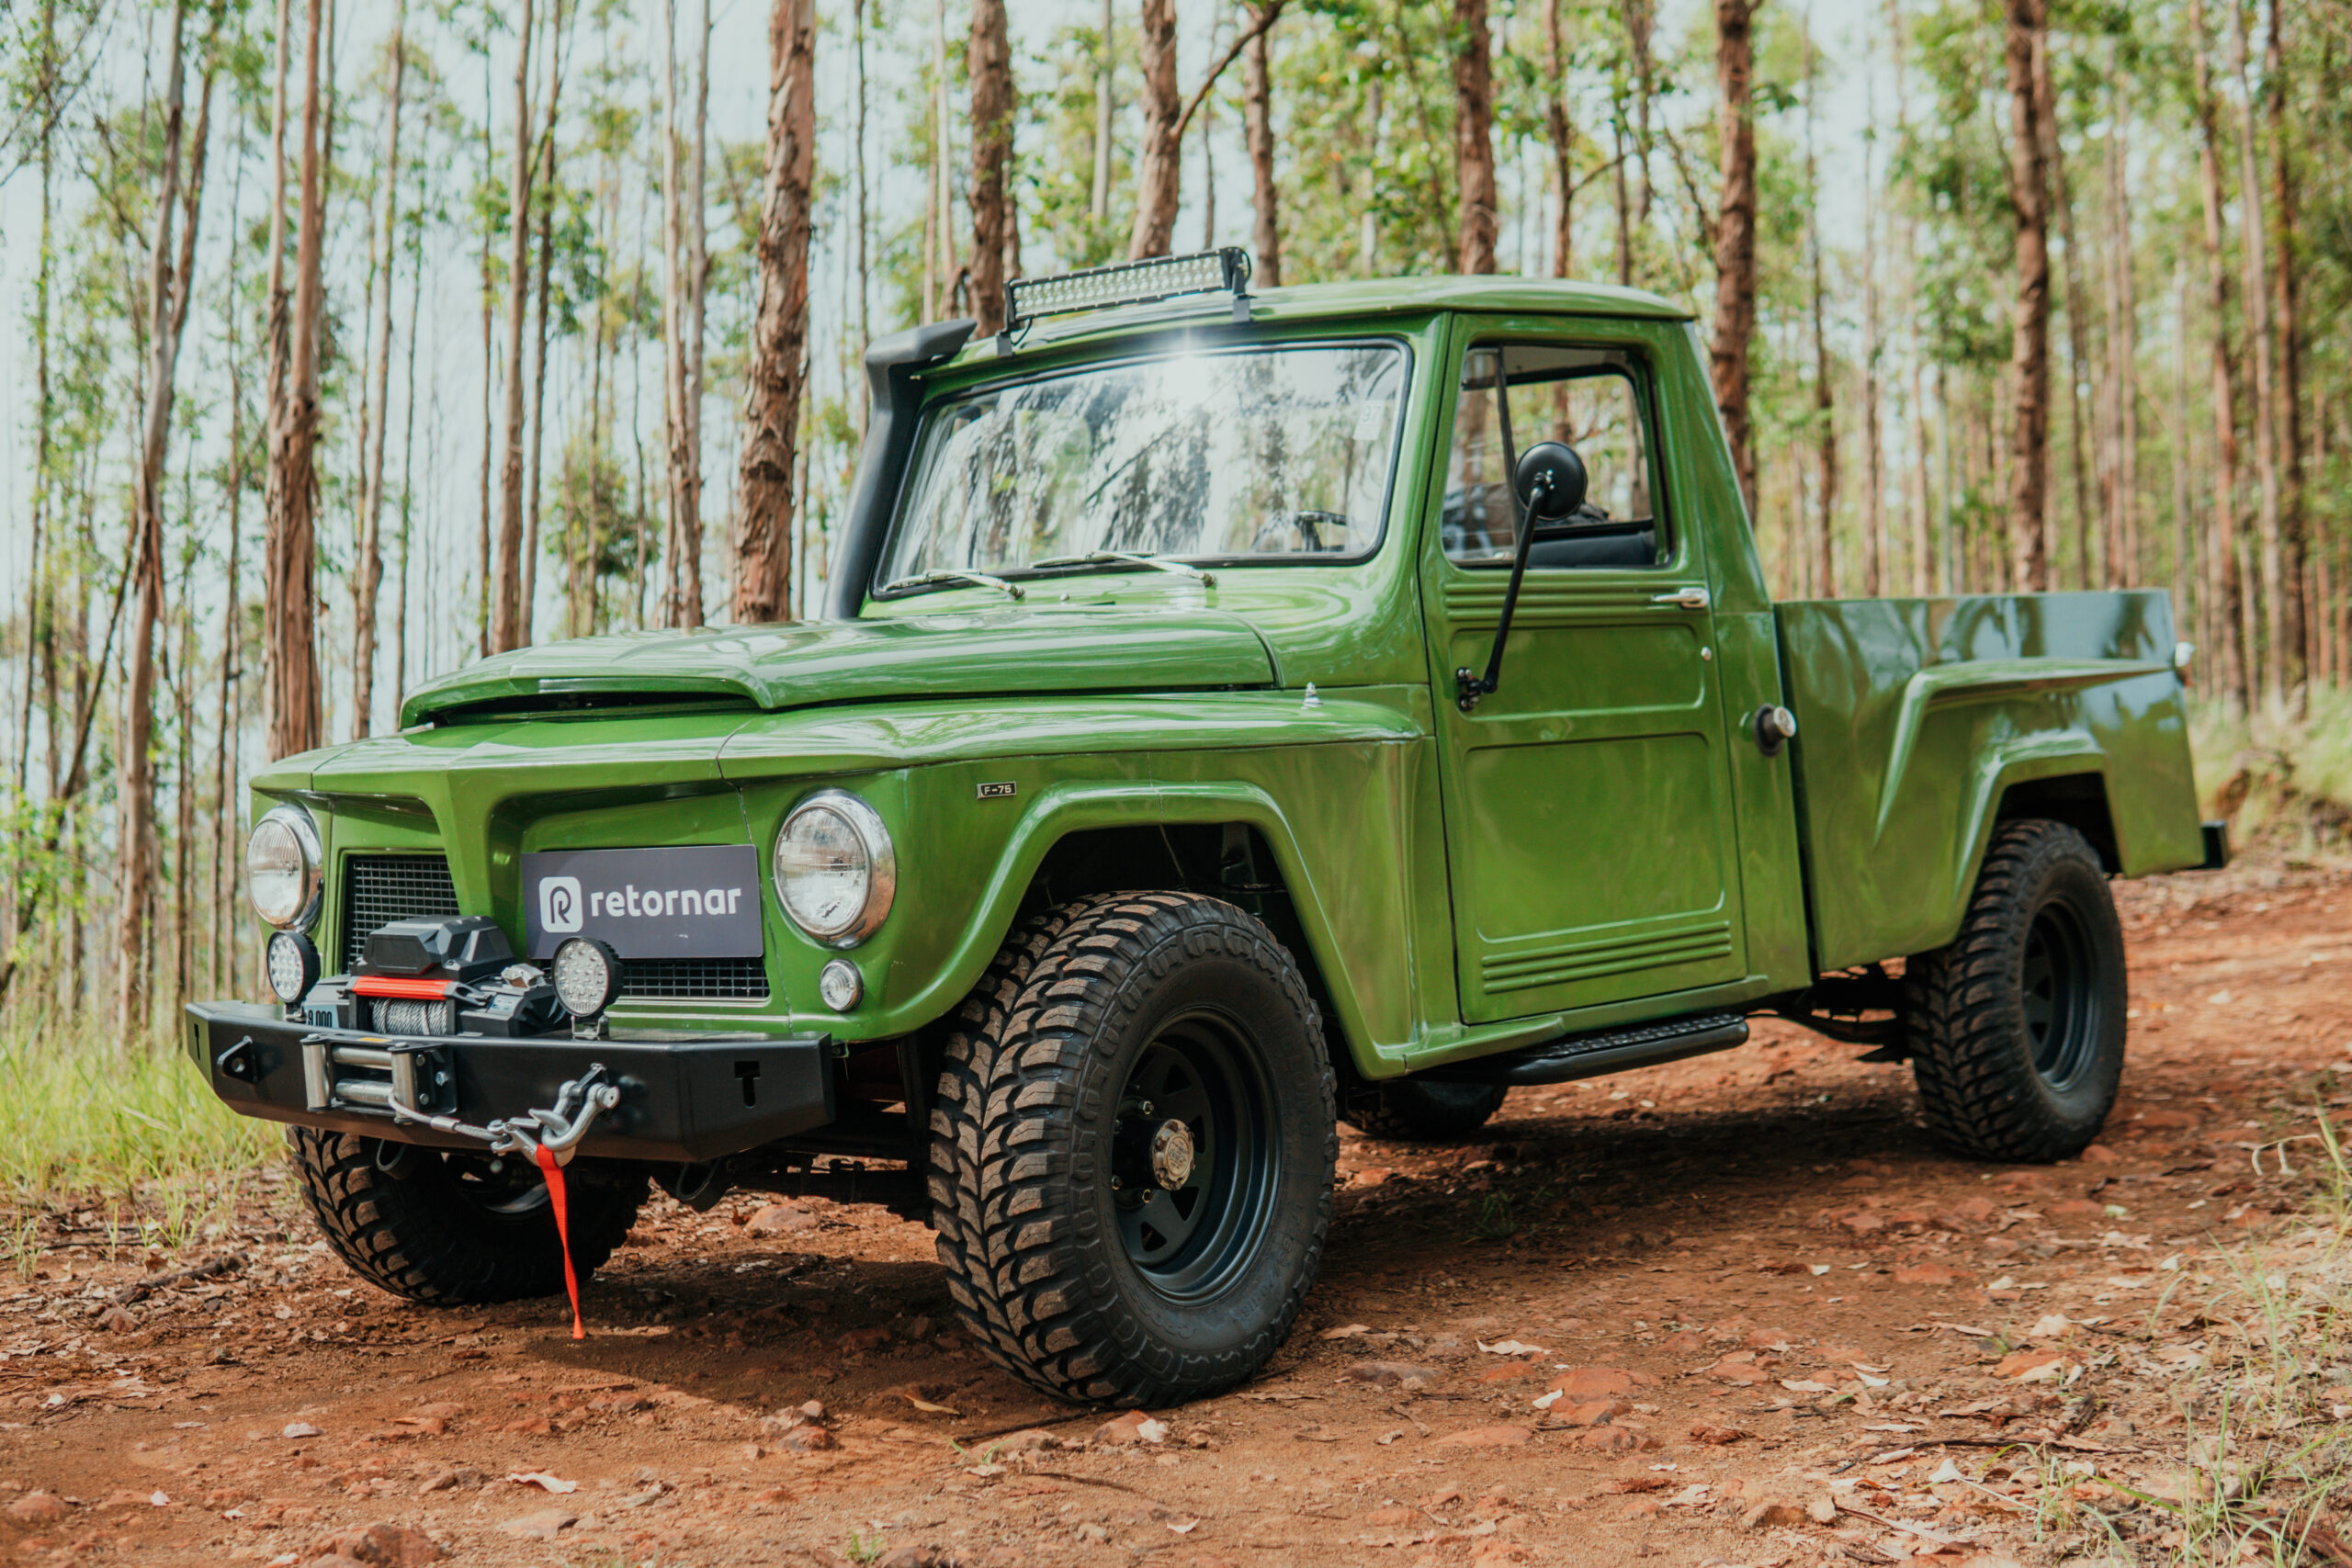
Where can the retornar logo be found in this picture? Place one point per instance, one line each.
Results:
(560, 904)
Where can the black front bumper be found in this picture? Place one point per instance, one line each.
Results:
(688, 1097)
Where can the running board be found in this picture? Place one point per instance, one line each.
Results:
(1605, 1051)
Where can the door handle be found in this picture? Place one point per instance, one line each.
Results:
(1686, 598)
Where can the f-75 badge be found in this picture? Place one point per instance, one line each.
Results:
(1004, 790)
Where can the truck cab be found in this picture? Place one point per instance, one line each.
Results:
(1233, 714)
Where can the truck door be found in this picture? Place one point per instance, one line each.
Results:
(1587, 815)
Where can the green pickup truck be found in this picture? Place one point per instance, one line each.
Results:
(1233, 714)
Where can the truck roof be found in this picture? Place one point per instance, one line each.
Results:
(1369, 297)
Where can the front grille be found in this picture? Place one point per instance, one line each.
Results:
(696, 979)
(377, 889)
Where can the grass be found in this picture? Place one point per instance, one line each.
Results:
(2288, 780)
(2263, 1467)
(133, 1139)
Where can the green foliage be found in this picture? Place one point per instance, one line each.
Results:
(80, 1116)
(1054, 185)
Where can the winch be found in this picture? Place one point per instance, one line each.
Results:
(449, 976)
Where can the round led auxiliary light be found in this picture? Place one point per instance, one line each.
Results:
(835, 871)
(293, 962)
(282, 864)
(587, 975)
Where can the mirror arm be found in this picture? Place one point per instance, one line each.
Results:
(1469, 685)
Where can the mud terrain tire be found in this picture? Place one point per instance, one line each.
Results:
(1099, 1252)
(443, 1231)
(2016, 1027)
(1414, 1111)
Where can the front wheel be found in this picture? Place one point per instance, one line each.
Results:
(458, 1228)
(2017, 1027)
(1133, 1149)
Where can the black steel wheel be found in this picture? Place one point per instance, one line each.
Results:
(2017, 1026)
(456, 1228)
(1193, 1162)
(1424, 1110)
(1133, 1149)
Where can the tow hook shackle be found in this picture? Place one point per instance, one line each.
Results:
(559, 1131)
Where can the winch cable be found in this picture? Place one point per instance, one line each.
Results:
(553, 1172)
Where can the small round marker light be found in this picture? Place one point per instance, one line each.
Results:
(840, 985)
(587, 975)
(293, 963)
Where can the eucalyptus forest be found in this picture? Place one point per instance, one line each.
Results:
(352, 342)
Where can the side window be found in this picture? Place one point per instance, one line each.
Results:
(1516, 394)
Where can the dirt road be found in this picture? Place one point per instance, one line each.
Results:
(1737, 1310)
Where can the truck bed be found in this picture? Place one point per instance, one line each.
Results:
(1922, 722)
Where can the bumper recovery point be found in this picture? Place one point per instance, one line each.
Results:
(688, 1097)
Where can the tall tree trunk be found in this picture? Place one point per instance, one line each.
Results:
(1874, 346)
(2294, 613)
(2281, 652)
(1824, 402)
(292, 606)
(489, 367)
(2078, 351)
(505, 606)
(1099, 206)
(408, 468)
(2224, 584)
(368, 572)
(225, 811)
(135, 833)
(988, 63)
(698, 271)
(44, 406)
(674, 313)
(1640, 24)
(2123, 564)
(2027, 37)
(1735, 236)
(683, 232)
(1159, 173)
(559, 46)
(2185, 566)
(1257, 126)
(780, 331)
(1560, 132)
(1477, 218)
(864, 231)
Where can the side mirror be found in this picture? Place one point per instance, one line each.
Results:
(1550, 482)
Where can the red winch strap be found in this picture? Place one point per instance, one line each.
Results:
(554, 1173)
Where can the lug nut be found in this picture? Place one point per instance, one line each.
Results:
(1115, 1184)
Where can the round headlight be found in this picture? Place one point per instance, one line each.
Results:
(835, 869)
(587, 975)
(282, 862)
(293, 963)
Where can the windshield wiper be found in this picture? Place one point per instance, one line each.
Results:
(1129, 557)
(940, 579)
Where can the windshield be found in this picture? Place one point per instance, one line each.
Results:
(1275, 453)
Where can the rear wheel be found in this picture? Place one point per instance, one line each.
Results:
(2017, 1027)
(1133, 1149)
(1418, 1111)
(456, 1228)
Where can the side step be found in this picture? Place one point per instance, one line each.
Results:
(1604, 1051)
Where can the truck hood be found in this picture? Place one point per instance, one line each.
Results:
(1058, 649)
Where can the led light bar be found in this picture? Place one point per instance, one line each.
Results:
(1131, 283)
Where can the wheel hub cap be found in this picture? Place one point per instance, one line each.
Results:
(1172, 1154)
